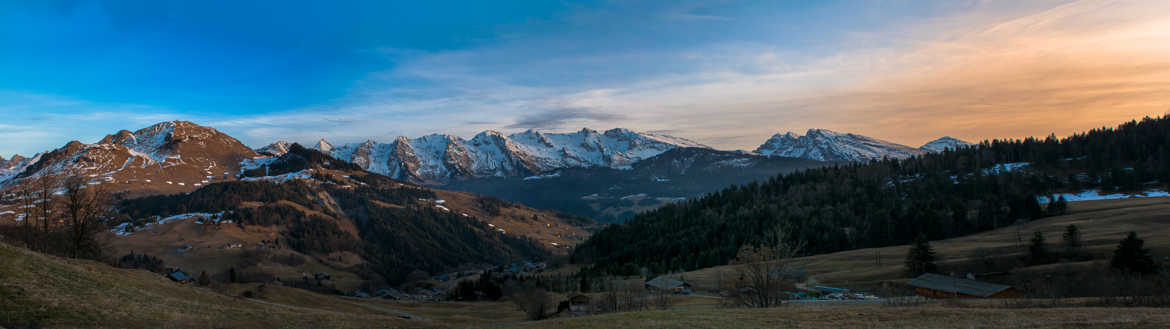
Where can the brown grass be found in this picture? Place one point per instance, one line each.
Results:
(873, 317)
(55, 292)
(1102, 224)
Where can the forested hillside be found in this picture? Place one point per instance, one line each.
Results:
(615, 195)
(396, 228)
(890, 202)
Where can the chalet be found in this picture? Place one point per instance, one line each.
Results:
(941, 286)
(579, 304)
(664, 283)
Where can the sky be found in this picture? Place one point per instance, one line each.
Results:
(728, 74)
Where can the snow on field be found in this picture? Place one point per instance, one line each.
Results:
(1004, 167)
(1090, 195)
(634, 196)
(552, 175)
(303, 174)
(254, 163)
(442, 208)
(738, 163)
(120, 229)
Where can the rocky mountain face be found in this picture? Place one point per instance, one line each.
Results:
(335, 215)
(275, 149)
(827, 145)
(14, 166)
(166, 157)
(943, 144)
(438, 158)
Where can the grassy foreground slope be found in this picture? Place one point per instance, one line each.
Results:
(37, 289)
(876, 317)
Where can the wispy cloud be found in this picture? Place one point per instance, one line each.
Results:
(559, 118)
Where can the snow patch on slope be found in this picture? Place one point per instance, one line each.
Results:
(1091, 195)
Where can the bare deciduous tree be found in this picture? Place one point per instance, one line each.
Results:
(534, 301)
(762, 271)
(27, 205)
(85, 207)
(47, 211)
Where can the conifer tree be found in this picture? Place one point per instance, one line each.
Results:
(1072, 239)
(1132, 257)
(921, 257)
(1057, 207)
(203, 279)
(1038, 249)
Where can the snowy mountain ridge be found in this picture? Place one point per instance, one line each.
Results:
(438, 158)
(167, 156)
(943, 144)
(828, 145)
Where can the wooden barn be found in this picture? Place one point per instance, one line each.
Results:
(941, 286)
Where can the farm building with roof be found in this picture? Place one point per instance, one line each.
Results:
(941, 286)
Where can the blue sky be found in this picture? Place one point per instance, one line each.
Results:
(726, 73)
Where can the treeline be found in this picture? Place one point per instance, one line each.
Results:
(403, 234)
(219, 197)
(889, 202)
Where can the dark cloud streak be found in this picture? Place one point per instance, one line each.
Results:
(557, 118)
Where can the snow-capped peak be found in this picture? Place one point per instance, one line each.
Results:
(944, 143)
(324, 146)
(439, 157)
(276, 149)
(179, 150)
(828, 145)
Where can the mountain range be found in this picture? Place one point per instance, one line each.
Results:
(439, 159)
(606, 175)
(339, 205)
(615, 195)
(828, 145)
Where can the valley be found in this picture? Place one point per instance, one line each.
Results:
(288, 228)
(973, 164)
(91, 294)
